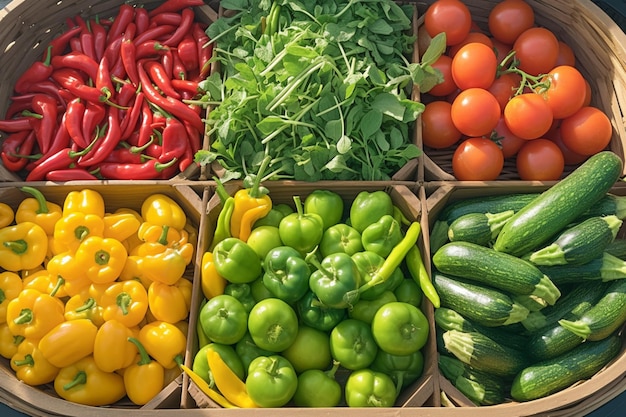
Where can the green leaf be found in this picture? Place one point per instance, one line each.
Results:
(380, 27)
(344, 145)
(333, 129)
(270, 124)
(204, 157)
(381, 141)
(371, 123)
(389, 105)
(435, 49)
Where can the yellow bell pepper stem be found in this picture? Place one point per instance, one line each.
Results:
(170, 303)
(229, 384)
(22, 246)
(8, 341)
(212, 282)
(125, 301)
(205, 388)
(38, 210)
(68, 342)
(6, 215)
(47, 283)
(10, 287)
(30, 365)
(33, 314)
(164, 342)
(84, 383)
(162, 234)
(64, 266)
(72, 229)
(145, 378)
(162, 210)
(102, 258)
(84, 306)
(85, 201)
(111, 350)
(120, 226)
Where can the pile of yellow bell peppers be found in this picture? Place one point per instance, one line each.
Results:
(95, 303)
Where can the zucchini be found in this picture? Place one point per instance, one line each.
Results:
(496, 269)
(548, 377)
(479, 228)
(571, 305)
(605, 268)
(580, 243)
(483, 354)
(606, 316)
(481, 388)
(552, 341)
(617, 248)
(559, 205)
(481, 304)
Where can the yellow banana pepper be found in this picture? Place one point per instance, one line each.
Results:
(251, 204)
(85, 201)
(212, 282)
(162, 210)
(133, 270)
(102, 258)
(84, 306)
(170, 303)
(68, 342)
(64, 265)
(10, 287)
(111, 350)
(125, 301)
(8, 341)
(30, 365)
(84, 383)
(206, 388)
(33, 314)
(38, 210)
(22, 246)
(229, 384)
(47, 283)
(6, 215)
(164, 342)
(145, 378)
(74, 228)
(120, 225)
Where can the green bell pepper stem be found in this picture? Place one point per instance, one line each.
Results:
(395, 258)
(332, 371)
(418, 272)
(222, 229)
(221, 190)
(41, 200)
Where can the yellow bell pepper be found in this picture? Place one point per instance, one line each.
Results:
(125, 301)
(8, 341)
(170, 303)
(38, 210)
(84, 306)
(10, 287)
(212, 282)
(133, 270)
(145, 378)
(102, 258)
(6, 215)
(164, 264)
(85, 201)
(22, 246)
(84, 383)
(164, 235)
(170, 375)
(72, 229)
(112, 350)
(33, 314)
(120, 226)
(162, 210)
(30, 365)
(64, 265)
(164, 342)
(229, 384)
(47, 283)
(68, 342)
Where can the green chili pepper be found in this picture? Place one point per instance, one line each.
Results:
(416, 268)
(222, 229)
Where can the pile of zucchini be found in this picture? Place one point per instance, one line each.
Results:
(532, 286)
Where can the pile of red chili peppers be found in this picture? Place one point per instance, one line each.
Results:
(108, 98)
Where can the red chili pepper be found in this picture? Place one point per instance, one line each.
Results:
(51, 88)
(61, 138)
(195, 137)
(103, 81)
(129, 123)
(74, 115)
(60, 43)
(143, 171)
(94, 115)
(70, 174)
(179, 71)
(75, 45)
(158, 76)
(63, 159)
(125, 16)
(78, 61)
(150, 49)
(14, 145)
(186, 160)
(16, 125)
(46, 106)
(188, 53)
(166, 18)
(186, 86)
(128, 55)
(142, 19)
(125, 155)
(171, 105)
(99, 37)
(145, 128)
(38, 72)
(205, 50)
(18, 104)
(88, 45)
(167, 60)
(184, 27)
(126, 94)
(108, 142)
(175, 6)
(174, 140)
(112, 50)
(81, 23)
(153, 32)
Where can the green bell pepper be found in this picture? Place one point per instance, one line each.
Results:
(352, 344)
(403, 369)
(382, 236)
(368, 208)
(368, 264)
(327, 204)
(409, 292)
(247, 350)
(300, 230)
(243, 293)
(336, 280)
(340, 238)
(259, 290)
(315, 314)
(367, 388)
(317, 388)
(236, 261)
(224, 319)
(275, 215)
(364, 310)
(286, 273)
(271, 381)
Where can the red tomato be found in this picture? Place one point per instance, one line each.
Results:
(509, 18)
(423, 39)
(475, 112)
(566, 55)
(504, 87)
(474, 65)
(477, 159)
(586, 132)
(471, 38)
(587, 101)
(528, 116)
(565, 93)
(509, 143)
(537, 50)
(502, 50)
(443, 64)
(540, 160)
(449, 16)
(438, 131)
(570, 157)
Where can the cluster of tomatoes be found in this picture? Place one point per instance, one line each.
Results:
(512, 93)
